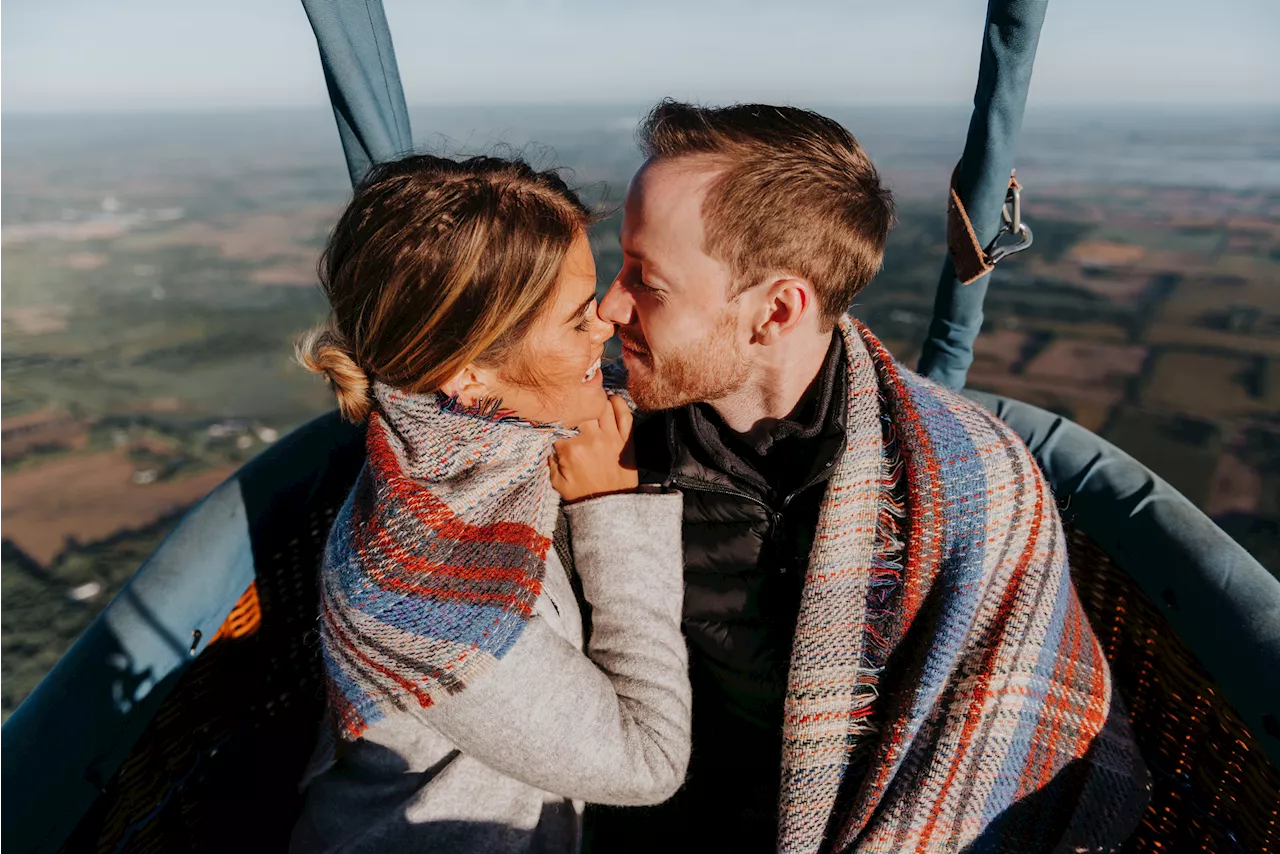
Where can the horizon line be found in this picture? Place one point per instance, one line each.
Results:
(176, 110)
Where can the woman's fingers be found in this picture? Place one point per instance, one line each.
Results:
(627, 456)
(599, 460)
(621, 414)
(615, 418)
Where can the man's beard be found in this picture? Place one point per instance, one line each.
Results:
(707, 370)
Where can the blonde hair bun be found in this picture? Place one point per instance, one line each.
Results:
(322, 351)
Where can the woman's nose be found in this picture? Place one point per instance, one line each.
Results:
(604, 330)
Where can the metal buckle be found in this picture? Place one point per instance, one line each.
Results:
(1013, 225)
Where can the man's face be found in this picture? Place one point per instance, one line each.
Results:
(682, 337)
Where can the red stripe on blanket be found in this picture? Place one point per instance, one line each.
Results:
(384, 550)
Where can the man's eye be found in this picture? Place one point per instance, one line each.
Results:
(641, 284)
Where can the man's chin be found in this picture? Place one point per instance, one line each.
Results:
(640, 383)
(649, 395)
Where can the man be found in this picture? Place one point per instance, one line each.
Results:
(885, 648)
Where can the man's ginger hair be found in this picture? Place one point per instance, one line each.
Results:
(795, 194)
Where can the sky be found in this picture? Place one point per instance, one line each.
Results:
(164, 55)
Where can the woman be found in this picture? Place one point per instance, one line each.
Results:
(464, 714)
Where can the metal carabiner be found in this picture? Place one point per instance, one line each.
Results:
(1011, 213)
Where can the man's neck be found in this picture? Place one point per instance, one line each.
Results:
(775, 388)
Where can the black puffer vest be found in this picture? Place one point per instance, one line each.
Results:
(747, 537)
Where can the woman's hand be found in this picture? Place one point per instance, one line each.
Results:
(600, 459)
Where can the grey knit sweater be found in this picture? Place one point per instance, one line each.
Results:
(505, 765)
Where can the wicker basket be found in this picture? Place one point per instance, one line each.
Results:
(1214, 788)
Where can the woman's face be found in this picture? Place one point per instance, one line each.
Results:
(556, 375)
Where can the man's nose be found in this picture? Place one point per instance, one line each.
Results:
(617, 306)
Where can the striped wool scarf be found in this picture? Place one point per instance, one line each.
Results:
(435, 560)
(999, 731)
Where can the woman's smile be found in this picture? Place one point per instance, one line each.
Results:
(593, 372)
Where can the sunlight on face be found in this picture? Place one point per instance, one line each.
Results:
(556, 376)
(680, 332)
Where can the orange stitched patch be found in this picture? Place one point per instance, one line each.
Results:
(245, 617)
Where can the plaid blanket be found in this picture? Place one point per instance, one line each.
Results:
(434, 562)
(999, 731)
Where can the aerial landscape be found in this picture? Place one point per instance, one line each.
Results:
(156, 269)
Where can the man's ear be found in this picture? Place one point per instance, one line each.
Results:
(471, 384)
(787, 301)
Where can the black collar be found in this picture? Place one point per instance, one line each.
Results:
(701, 449)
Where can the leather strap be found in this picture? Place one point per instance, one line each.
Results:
(968, 257)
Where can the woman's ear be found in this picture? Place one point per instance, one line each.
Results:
(470, 385)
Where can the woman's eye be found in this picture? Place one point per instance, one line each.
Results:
(585, 323)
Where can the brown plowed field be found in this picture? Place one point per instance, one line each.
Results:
(87, 498)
